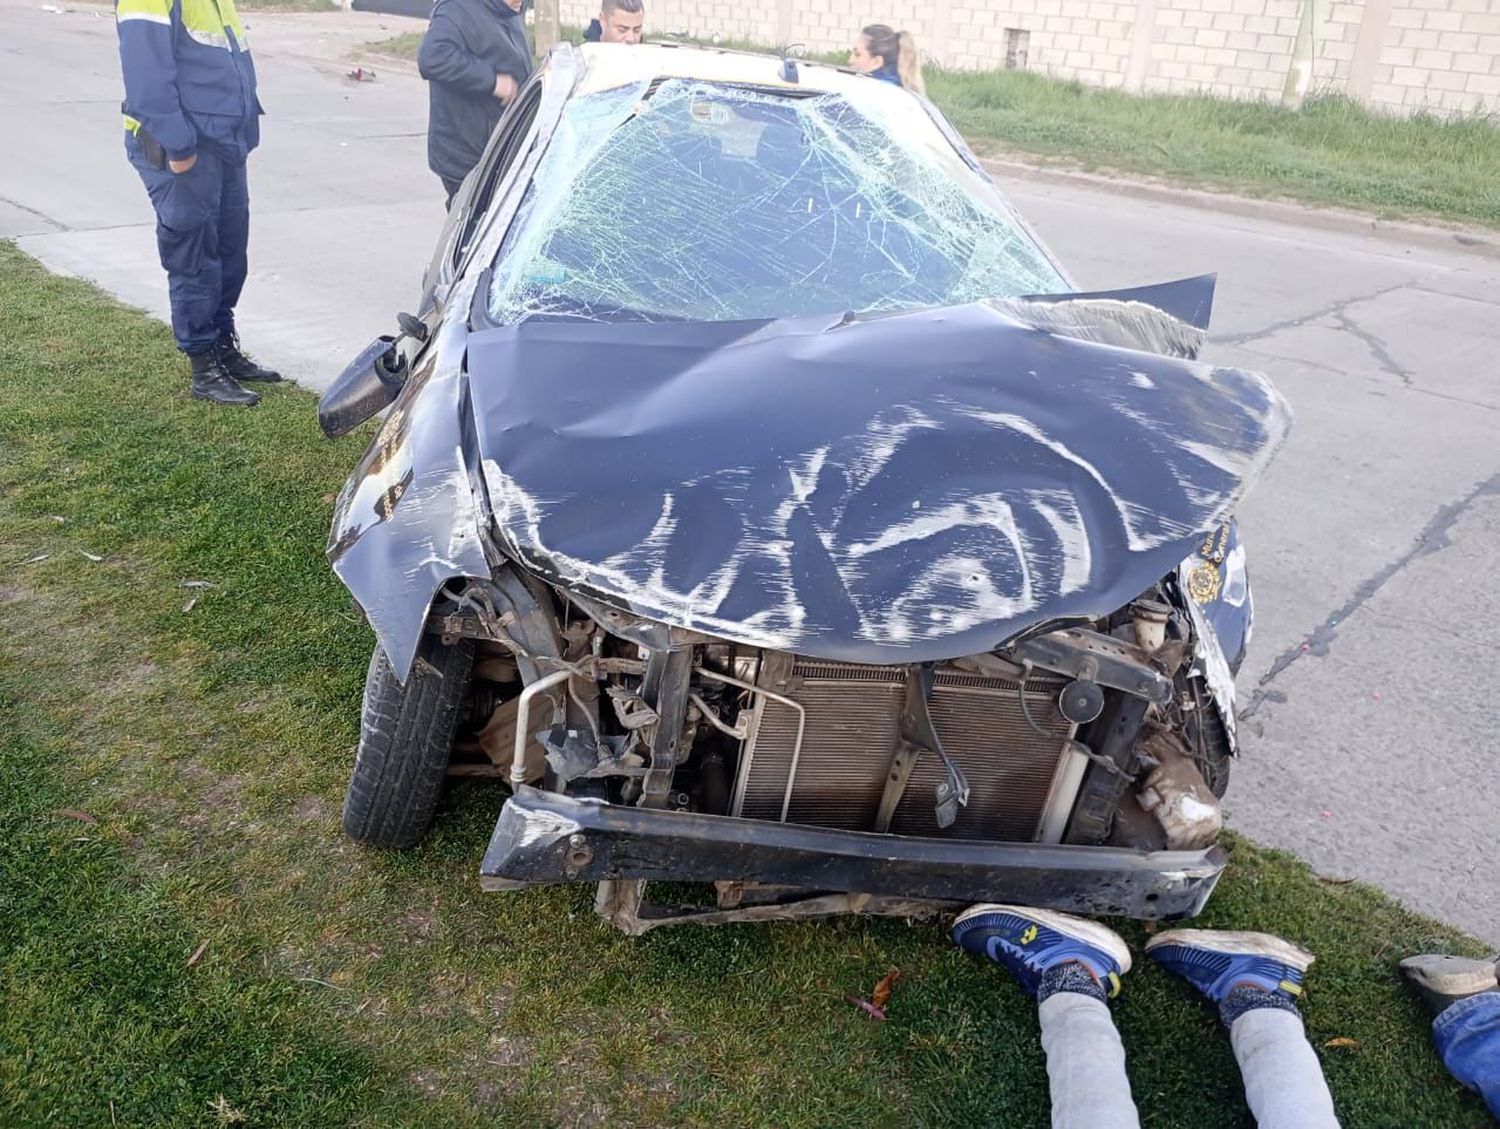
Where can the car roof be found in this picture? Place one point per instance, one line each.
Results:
(615, 64)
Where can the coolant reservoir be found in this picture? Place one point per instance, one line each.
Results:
(1150, 619)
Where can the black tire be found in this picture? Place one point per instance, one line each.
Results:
(405, 743)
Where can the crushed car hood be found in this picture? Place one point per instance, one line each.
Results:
(901, 488)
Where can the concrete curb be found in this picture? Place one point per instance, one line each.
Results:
(1462, 240)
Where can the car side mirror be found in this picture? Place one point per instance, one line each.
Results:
(368, 383)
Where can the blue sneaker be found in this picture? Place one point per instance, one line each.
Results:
(1216, 962)
(1031, 942)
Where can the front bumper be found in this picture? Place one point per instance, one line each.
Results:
(542, 837)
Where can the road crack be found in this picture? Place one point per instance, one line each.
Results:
(1337, 309)
(1376, 346)
(1433, 538)
(1324, 366)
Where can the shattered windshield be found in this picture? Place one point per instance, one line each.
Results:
(711, 203)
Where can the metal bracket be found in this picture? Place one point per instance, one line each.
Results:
(668, 682)
(1098, 658)
(917, 736)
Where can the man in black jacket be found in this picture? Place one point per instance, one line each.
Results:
(619, 21)
(475, 56)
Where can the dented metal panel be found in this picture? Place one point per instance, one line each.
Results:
(909, 487)
(412, 515)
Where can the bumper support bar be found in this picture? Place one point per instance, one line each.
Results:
(542, 837)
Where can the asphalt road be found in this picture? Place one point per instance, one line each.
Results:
(1370, 715)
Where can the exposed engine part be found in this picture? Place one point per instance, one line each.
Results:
(523, 720)
(846, 720)
(496, 668)
(1149, 617)
(918, 736)
(1081, 701)
(706, 712)
(631, 710)
(1112, 737)
(1098, 658)
(713, 782)
(498, 740)
(1177, 795)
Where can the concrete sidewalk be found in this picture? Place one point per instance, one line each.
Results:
(1371, 730)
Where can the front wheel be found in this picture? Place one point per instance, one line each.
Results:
(405, 743)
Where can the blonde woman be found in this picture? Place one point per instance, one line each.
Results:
(887, 54)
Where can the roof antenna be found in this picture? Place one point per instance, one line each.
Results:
(789, 64)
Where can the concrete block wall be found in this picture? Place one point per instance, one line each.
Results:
(1436, 55)
(1399, 56)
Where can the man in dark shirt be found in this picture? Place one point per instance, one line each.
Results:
(475, 56)
(619, 21)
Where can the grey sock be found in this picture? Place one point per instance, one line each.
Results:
(1070, 977)
(1247, 998)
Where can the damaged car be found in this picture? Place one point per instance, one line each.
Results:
(762, 506)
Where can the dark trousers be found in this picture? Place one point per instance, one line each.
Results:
(202, 231)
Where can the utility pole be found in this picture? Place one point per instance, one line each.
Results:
(548, 27)
(1299, 73)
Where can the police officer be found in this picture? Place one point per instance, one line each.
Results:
(191, 119)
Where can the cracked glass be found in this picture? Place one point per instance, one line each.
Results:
(707, 202)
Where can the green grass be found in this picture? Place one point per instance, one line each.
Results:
(1332, 152)
(341, 986)
(403, 46)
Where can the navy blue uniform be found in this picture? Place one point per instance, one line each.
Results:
(190, 92)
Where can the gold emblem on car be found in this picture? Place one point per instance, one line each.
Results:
(1204, 582)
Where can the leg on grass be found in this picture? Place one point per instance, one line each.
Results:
(1085, 1062)
(1071, 966)
(1255, 979)
(1465, 994)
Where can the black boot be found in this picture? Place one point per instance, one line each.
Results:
(241, 367)
(212, 382)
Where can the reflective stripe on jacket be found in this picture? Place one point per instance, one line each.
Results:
(188, 74)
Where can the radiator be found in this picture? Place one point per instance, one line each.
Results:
(1016, 775)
